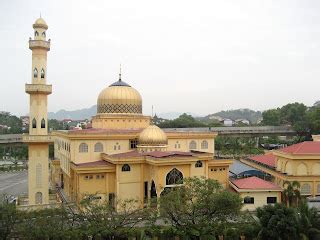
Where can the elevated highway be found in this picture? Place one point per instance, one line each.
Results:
(259, 131)
(254, 131)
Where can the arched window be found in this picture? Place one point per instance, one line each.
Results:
(36, 34)
(42, 73)
(38, 198)
(198, 164)
(34, 123)
(116, 147)
(193, 145)
(305, 189)
(125, 168)
(43, 123)
(204, 144)
(35, 73)
(98, 147)
(174, 177)
(83, 147)
(43, 34)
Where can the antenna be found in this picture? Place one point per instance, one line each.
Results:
(120, 73)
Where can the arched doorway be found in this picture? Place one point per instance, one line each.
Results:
(153, 191)
(38, 198)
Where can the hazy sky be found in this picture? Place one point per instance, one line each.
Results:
(185, 56)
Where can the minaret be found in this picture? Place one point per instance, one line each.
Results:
(38, 139)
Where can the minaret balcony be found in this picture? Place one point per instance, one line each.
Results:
(39, 44)
(37, 138)
(39, 88)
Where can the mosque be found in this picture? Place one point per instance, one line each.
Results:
(123, 156)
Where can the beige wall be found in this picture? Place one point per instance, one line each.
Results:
(38, 173)
(260, 199)
(183, 144)
(219, 173)
(117, 121)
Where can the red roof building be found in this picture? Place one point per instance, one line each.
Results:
(255, 183)
(268, 159)
(303, 148)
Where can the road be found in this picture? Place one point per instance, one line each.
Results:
(14, 183)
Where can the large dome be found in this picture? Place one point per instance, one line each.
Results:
(119, 98)
(152, 136)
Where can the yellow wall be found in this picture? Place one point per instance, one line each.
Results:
(260, 199)
(219, 173)
(38, 173)
(117, 121)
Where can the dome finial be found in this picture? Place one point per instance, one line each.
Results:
(120, 73)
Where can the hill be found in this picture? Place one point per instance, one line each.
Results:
(85, 113)
(252, 116)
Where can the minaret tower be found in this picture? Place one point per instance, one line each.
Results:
(38, 139)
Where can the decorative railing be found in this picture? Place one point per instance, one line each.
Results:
(40, 88)
(37, 138)
(39, 43)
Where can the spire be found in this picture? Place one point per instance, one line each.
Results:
(120, 73)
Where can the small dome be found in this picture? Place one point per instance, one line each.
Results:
(119, 98)
(152, 135)
(40, 23)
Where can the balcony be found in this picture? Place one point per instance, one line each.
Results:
(39, 44)
(37, 138)
(39, 88)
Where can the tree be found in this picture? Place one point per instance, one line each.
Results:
(271, 117)
(293, 113)
(102, 220)
(309, 221)
(199, 208)
(183, 121)
(278, 222)
(8, 218)
(57, 223)
(291, 192)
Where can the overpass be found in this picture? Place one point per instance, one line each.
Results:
(254, 131)
(11, 139)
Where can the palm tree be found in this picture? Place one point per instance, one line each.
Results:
(309, 221)
(291, 192)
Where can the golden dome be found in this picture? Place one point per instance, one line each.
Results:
(40, 23)
(152, 136)
(119, 98)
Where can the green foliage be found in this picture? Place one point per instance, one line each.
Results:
(8, 218)
(102, 220)
(305, 121)
(291, 193)
(54, 124)
(309, 221)
(183, 121)
(199, 208)
(272, 117)
(236, 147)
(11, 121)
(278, 222)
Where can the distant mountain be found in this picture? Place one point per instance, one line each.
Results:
(85, 113)
(252, 116)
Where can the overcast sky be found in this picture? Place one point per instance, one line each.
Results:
(184, 56)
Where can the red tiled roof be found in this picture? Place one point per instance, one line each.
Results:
(303, 148)
(93, 164)
(267, 159)
(156, 154)
(254, 183)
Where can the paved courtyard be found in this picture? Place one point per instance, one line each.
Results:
(14, 183)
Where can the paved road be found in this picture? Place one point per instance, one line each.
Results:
(14, 183)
